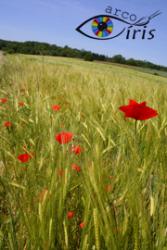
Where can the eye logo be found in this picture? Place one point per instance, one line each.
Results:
(106, 27)
(102, 26)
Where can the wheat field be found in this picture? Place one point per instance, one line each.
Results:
(116, 197)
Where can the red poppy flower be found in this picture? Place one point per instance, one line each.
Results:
(21, 104)
(7, 124)
(64, 137)
(76, 149)
(56, 107)
(24, 158)
(75, 167)
(138, 111)
(3, 100)
(82, 225)
(70, 215)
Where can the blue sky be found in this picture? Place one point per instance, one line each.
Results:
(54, 21)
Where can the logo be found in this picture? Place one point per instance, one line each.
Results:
(116, 23)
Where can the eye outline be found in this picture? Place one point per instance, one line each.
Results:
(94, 17)
(141, 22)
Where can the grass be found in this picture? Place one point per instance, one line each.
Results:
(153, 72)
(120, 194)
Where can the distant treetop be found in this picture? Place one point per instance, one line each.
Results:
(39, 48)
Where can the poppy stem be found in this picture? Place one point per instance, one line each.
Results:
(136, 127)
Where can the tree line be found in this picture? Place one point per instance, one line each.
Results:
(40, 48)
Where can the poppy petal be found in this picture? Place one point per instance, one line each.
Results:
(132, 102)
(64, 137)
(138, 111)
